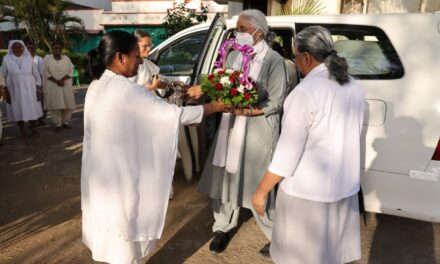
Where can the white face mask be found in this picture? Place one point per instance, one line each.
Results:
(244, 38)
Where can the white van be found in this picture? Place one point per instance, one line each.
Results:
(395, 57)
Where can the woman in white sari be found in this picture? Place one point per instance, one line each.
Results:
(317, 160)
(23, 86)
(58, 91)
(129, 153)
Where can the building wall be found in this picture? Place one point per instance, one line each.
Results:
(129, 15)
(98, 4)
(373, 6)
(402, 6)
(161, 6)
(432, 6)
(92, 18)
(393, 6)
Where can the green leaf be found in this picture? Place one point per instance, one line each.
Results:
(302, 7)
(237, 99)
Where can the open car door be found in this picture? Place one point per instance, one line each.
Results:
(195, 136)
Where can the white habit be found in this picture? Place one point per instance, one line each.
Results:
(318, 154)
(21, 77)
(129, 153)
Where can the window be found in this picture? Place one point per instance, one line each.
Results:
(180, 57)
(369, 52)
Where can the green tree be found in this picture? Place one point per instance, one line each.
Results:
(43, 20)
(301, 7)
(181, 17)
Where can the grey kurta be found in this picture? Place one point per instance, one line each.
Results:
(261, 136)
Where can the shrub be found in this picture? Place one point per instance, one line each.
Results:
(181, 17)
(2, 54)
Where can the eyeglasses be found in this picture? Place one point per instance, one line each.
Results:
(150, 46)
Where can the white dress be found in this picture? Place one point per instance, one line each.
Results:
(128, 163)
(55, 97)
(21, 77)
(318, 154)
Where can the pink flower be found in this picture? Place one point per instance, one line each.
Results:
(218, 86)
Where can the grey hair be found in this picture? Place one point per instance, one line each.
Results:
(317, 41)
(140, 34)
(257, 19)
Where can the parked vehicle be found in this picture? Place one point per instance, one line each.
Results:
(396, 58)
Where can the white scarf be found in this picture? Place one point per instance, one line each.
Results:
(225, 155)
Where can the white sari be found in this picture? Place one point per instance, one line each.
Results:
(129, 153)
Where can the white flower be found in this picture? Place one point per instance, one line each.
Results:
(229, 71)
(217, 70)
(241, 88)
(241, 75)
(225, 80)
(249, 86)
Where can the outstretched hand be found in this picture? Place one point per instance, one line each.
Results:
(195, 91)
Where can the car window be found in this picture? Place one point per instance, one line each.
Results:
(180, 57)
(369, 52)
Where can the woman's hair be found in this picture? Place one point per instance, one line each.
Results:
(317, 41)
(57, 42)
(257, 20)
(111, 43)
(140, 34)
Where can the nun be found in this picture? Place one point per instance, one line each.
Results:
(317, 160)
(22, 87)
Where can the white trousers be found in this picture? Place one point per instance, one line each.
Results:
(61, 116)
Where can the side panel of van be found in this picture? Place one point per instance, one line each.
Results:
(409, 136)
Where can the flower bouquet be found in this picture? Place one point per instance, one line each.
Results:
(230, 86)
